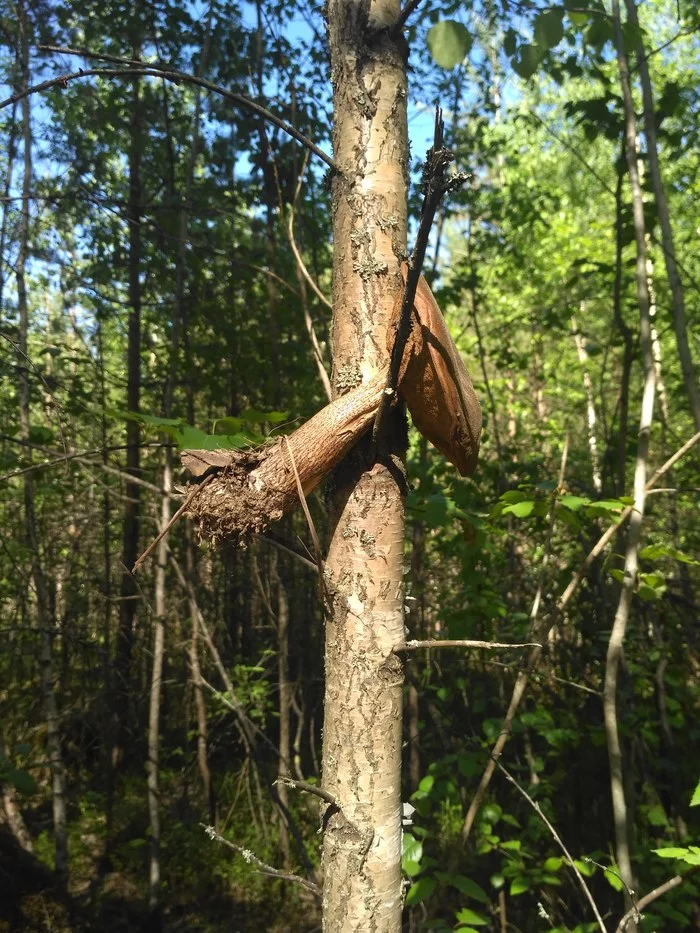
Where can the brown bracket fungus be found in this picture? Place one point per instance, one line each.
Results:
(250, 489)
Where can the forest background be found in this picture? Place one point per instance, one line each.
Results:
(165, 255)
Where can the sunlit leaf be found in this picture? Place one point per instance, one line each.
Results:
(421, 890)
(449, 43)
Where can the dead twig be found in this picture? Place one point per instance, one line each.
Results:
(404, 15)
(310, 523)
(634, 913)
(261, 866)
(138, 68)
(435, 185)
(460, 643)
(308, 789)
(555, 835)
(161, 534)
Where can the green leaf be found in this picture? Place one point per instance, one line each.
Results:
(255, 416)
(469, 888)
(512, 845)
(553, 863)
(520, 509)
(497, 880)
(190, 438)
(695, 799)
(412, 851)
(491, 812)
(574, 502)
(606, 505)
(525, 63)
(586, 868)
(510, 42)
(449, 42)
(656, 815)
(578, 20)
(426, 784)
(656, 551)
(227, 425)
(599, 32)
(613, 879)
(421, 890)
(518, 886)
(471, 917)
(158, 422)
(671, 852)
(22, 780)
(549, 28)
(513, 495)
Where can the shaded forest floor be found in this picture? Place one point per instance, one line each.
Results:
(202, 892)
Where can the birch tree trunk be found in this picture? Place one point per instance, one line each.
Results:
(590, 402)
(364, 568)
(621, 816)
(669, 249)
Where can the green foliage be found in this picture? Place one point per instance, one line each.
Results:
(543, 233)
(449, 43)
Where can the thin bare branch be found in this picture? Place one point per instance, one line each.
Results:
(261, 866)
(557, 838)
(410, 7)
(304, 276)
(308, 789)
(460, 643)
(634, 912)
(163, 532)
(139, 68)
(310, 522)
(434, 185)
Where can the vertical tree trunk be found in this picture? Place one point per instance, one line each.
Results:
(11, 145)
(627, 337)
(199, 702)
(417, 626)
(285, 706)
(590, 404)
(130, 536)
(364, 568)
(669, 250)
(44, 621)
(621, 815)
(154, 874)
(10, 811)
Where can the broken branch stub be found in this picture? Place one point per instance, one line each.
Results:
(434, 382)
(252, 488)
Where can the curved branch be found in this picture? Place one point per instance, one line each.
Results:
(144, 69)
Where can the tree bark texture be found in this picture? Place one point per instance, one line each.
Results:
(364, 567)
(667, 240)
(43, 610)
(130, 541)
(622, 818)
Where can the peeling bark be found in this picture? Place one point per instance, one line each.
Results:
(364, 568)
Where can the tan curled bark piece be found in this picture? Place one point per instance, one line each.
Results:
(252, 488)
(435, 384)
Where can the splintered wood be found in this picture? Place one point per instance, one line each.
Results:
(435, 384)
(250, 489)
(253, 488)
